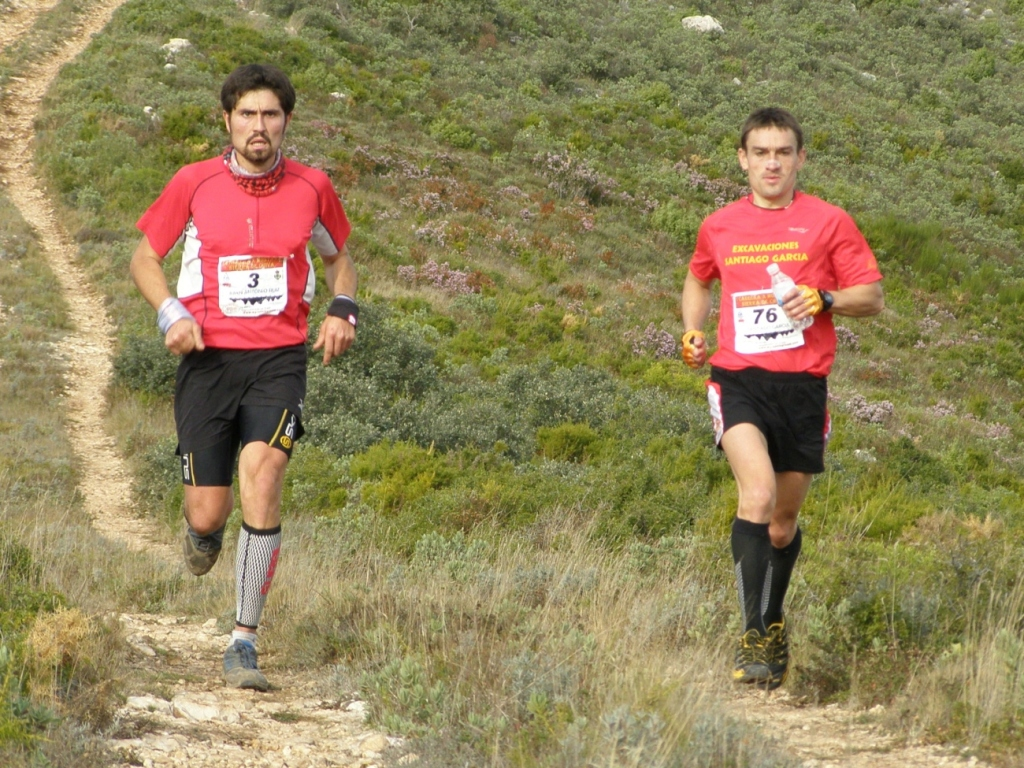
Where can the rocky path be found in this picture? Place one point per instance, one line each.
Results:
(837, 737)
(183, 717)
(178, 712)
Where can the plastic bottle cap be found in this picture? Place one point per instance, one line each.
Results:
(772, 269)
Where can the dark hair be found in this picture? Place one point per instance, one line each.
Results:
(255, 77)
(771, 117)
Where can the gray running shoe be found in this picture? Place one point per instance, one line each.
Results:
(201, 552)
(240, 670)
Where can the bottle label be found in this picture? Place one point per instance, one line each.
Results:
(761, 325)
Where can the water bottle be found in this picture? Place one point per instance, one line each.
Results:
(782, 284)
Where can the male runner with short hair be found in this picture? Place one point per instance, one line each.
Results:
(239, 322)
(768, 387)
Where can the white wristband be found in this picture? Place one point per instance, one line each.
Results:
(170, 312)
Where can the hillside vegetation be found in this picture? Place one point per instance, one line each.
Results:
(508, 500)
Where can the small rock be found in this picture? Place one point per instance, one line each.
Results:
(703, 24)
(176, 45)
(193, 710)
(359, 707)
(378, 742)
(140, 646)
(149, 704)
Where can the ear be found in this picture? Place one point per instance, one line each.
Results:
(741, 154)
(801, 158)
(227, 121)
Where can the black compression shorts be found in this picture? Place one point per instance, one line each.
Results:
(790, 409)
(227, 398)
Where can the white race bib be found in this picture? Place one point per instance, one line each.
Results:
(251, 286)
(761, 325)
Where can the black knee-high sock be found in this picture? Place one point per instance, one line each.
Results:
(776, 583)
(751, 553)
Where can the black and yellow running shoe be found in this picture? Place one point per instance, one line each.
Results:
(776, 656)
(763, 660)
(750, 664)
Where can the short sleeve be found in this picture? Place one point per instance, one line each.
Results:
(165, 220)
(333, 227)
(703, 264)
(852, 259)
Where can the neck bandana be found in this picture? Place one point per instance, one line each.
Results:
(255, 184)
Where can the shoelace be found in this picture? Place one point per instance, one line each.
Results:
(246, 653)
(752, 647)
(776, 644)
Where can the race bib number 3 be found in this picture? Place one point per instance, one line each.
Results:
(251, 286)
(761, 325)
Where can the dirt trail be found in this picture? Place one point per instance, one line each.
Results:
(837, 737)
(105, 487)
(180, 714)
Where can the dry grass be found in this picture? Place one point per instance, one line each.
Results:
(537, 647)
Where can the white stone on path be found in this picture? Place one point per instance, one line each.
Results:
(194, 710)
(149, 704)
(373, 744)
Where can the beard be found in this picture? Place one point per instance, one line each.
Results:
(257, 156)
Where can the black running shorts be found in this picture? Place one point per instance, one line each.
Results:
(227, 398)
(790, 409)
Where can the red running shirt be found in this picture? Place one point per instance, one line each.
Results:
(814, 243)
(246, 270)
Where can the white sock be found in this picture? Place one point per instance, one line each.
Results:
(240, 634)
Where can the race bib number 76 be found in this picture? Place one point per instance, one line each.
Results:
(761, 325)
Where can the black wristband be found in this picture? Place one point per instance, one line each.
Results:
(826, 300)
(344, 307)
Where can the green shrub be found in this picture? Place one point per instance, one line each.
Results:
(398, 474)
(678, 222)
(144, 364)
(566, 442)
(185, 122)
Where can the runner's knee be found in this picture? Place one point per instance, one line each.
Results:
(208, 508)
(757, 503)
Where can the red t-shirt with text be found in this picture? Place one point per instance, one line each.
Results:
(814, 243)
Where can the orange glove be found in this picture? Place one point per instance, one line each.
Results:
(694, 350)
(812, 298)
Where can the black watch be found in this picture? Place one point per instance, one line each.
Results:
(826, 300)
